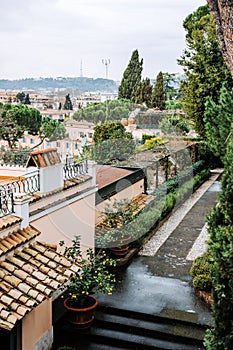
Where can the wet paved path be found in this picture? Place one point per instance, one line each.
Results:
(159, 282)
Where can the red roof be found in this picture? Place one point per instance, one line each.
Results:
(107, 174)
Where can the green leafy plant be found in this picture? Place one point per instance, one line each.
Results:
(202, 272)
(93, 276)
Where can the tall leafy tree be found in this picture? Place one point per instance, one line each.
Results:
(51, 130)
(218, 118)
(143, 92)
(203, 65)
(131, 77)
(111, 143)
(158, 96)
(15, 120)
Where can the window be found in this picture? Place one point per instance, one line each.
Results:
(31, 141)
(67, 145)
(75, 146)
(58, 144)
(81, 134)
(24, 140)
(90, 135)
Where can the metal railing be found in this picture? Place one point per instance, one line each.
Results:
(30, 183)
(73, 171)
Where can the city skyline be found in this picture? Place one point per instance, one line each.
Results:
(76, 38)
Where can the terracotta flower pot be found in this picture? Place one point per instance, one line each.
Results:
(81, 317)
(121, 250)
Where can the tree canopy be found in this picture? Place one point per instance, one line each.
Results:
(131, 77)
(15, 120)
(158, 96)
(111, 143)
(203, 65)
(96, 112)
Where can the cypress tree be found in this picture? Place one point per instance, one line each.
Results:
(143, 92)
(131, 77)
(158, 96)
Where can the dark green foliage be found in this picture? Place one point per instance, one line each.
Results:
(110, 130)
(217, 119)
(68, 104)
(20, 97)
(158, 95)
(52, 130)
(171, 86)
(174, 124)
(15, 120)
(95, 113)
(112, 150)
(174, 104)
(203, 65)
(220, 223)
(27, 100)
(202, 271)
(112, 143)
(143, 93)
(131, 77)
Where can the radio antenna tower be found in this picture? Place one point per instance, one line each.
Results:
(106, 62)
(81, 69)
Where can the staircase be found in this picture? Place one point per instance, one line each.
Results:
(120, 329)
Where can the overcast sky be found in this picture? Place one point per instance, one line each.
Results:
(50, 38)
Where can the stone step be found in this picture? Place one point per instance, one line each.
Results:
(149, 330)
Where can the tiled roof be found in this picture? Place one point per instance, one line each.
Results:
(107, 174)
(9, 220)
(28, 276)
(15, 239)
(43, 158)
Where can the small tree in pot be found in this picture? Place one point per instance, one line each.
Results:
(93, 276)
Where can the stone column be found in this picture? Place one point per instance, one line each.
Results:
(21, 207)
(92, 171)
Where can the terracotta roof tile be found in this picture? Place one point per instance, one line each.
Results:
(28, 275)
(9, 220)
(44, 158)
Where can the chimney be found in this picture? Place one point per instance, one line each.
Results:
(21, 207)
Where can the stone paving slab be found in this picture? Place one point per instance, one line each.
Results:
(162, 234)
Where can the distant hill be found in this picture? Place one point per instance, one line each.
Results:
(80, 84)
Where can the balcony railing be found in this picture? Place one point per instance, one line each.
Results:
(73, 171)
(29, 183)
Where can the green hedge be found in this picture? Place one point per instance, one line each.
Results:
(202, 272)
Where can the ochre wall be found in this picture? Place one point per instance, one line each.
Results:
(75, 219)
(35, 324)
(128, 193)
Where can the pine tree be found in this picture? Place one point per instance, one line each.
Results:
(131, 77)
(217, 119)
(68, 104)
(158, 95)
(143, 93)
(203, 64)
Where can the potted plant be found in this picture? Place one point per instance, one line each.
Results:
(112, 231)
(93, 276)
